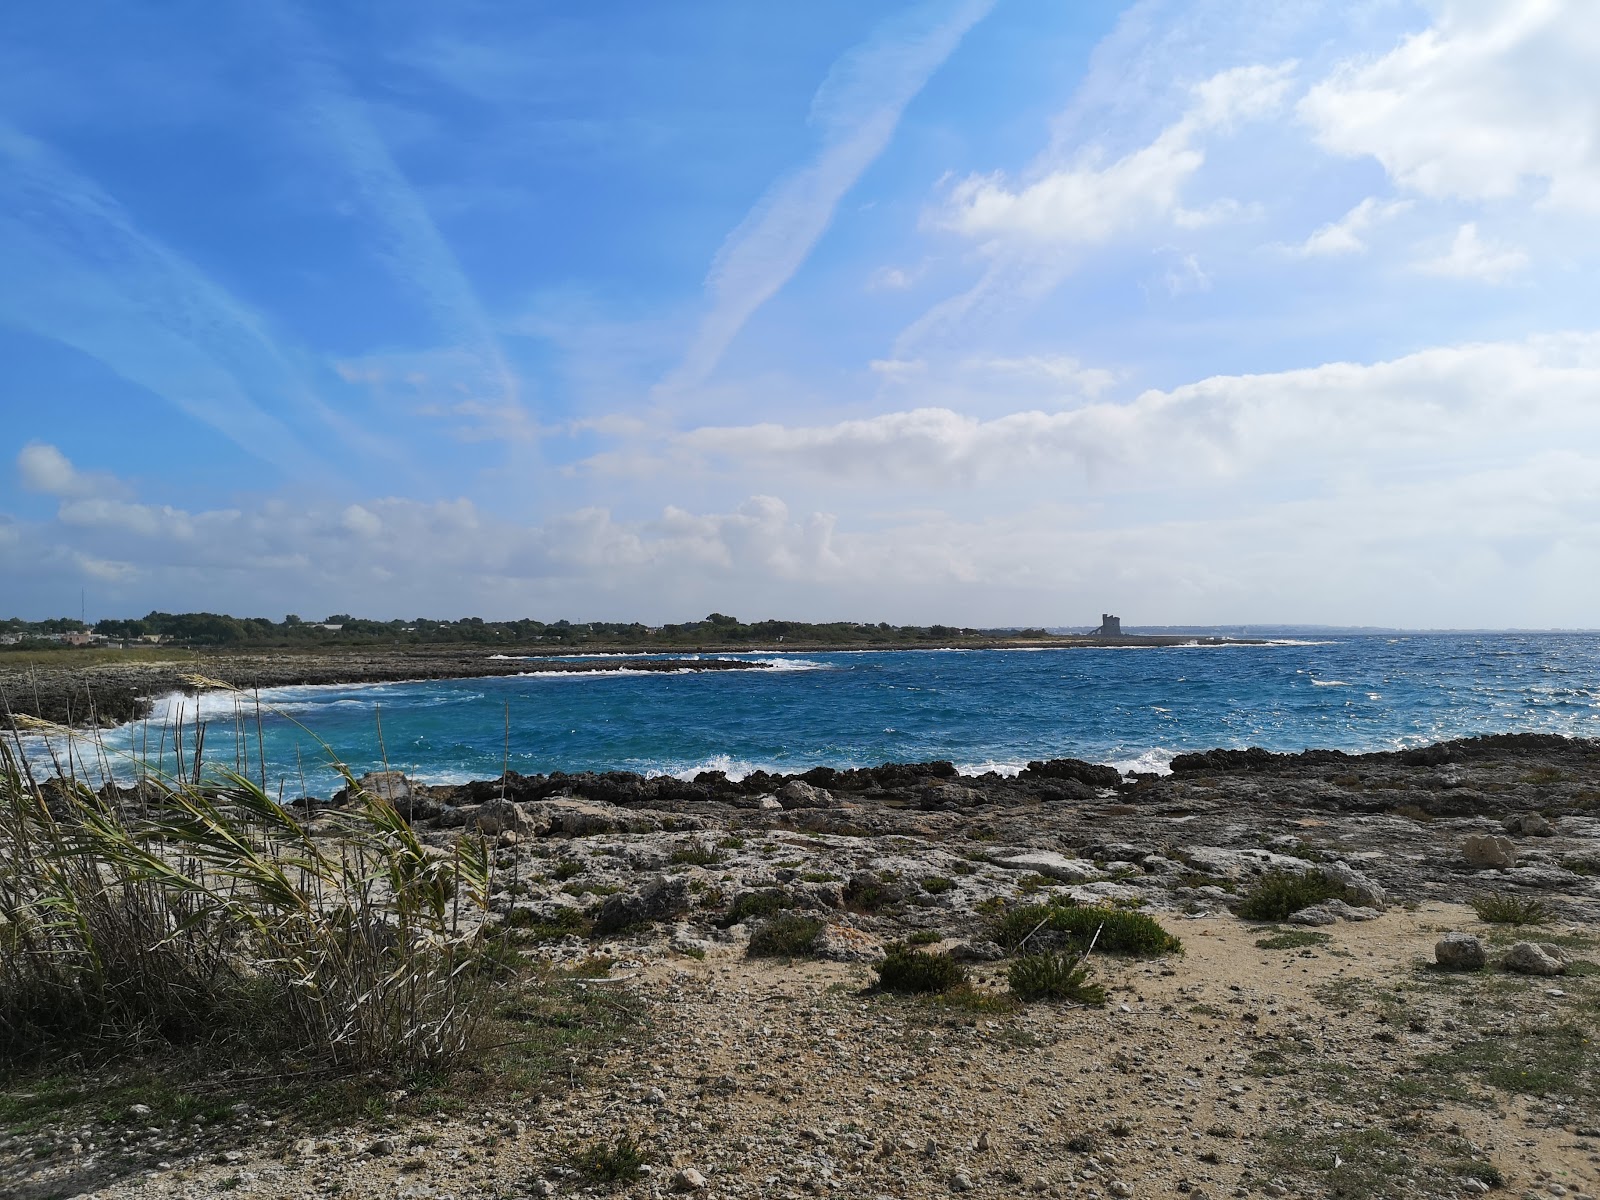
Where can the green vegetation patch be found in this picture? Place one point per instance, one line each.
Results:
(914, 972)
(787, 935)
(696, 854)
(1292, 939)
(1054, 976)
(609, 1164)
(1498, 908)
(1277, 894)
(1064, 925)
(757, 904)
(936, 884)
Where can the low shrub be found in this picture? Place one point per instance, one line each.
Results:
(788, 935)
(1278, 893)
(757, 904)
(1501, 909)
(1292, 939)
(936, 884)
(696, 854)
(621, 1161)
(1063, 925)
(1054, 976)
(918, 972)
(567, 869)
(923, 937)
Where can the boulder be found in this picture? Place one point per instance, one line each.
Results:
(1534, 958)
(1357, 887)
(841, 943)
(1528, 825)
(797, 793)
(1459, 952)
(1316, 914)
(572, 817)
(659, 900)
(940, 796)
(1487, 850)
(500, 816)
(393, 788)
(1051, 865)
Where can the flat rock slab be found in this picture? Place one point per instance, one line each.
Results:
(1052, 865)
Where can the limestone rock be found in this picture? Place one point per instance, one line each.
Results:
(1532, 958)
(841, 943)
(659, 900)
(797, 793)
(1052, 865)
(500, 816)
(572, 817)
(1487, 850)
(1316, 914)
(1368, 893)
(688, 1180)
(1528, 825)
(1459, 952)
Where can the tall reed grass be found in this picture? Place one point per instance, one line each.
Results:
(192, 906)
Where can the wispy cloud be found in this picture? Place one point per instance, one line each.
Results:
(403, 231)
(855, 112)
(82, 273)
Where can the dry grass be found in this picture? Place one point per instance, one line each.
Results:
(183, 911)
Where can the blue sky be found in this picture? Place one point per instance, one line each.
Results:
(982, 311)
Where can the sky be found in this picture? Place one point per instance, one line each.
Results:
(987, 312)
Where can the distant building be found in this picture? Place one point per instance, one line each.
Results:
(1109, 626)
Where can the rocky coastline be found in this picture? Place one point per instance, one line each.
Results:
(114, 693)
(1399, 1036)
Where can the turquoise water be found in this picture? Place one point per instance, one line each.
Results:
(983, 710)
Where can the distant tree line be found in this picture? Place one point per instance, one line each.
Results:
(217, 630)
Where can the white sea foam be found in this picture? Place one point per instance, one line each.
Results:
(1000, 766)
(1329, 683)
(1156, 760)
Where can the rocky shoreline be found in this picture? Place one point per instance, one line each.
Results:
(109, 694)
(1356, 1046)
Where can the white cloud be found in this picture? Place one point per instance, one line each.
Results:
(1470, 257)
(1488, 98)
(1089, 201)
(1185, 274)
(45, 469)
(856, 111)
(1464, 400)
(1347, 235)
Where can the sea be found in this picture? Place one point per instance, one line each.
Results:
(984, 710)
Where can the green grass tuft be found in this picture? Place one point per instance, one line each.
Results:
(787, 935)
(1064, 925)
(916, 972)
(1277, 894)
(1054, 976)
(1501, 909)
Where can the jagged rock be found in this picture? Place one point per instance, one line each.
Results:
(1535, 958)
(1316, 914)
(392, 786)
(1052, 865)
(1459, 952)
(500, 816)
(1352, 912)
(977, 950)
(1358, 888)
(1091, 775)
(571, 817)
(943, 796)
(797, 793)
(1487, 850)
(1528, 825)
(841, 943)
(659, 900)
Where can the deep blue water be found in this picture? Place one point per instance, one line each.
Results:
(980, 709)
